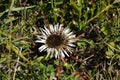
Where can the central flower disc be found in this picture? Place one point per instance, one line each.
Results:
(54, 41)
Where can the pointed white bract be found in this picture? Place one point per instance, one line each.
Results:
(56, 40)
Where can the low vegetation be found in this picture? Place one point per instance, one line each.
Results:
(96, 23)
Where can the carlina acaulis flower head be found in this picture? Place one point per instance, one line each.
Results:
(57, 41)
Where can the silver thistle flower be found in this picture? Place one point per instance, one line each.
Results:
(56, 41)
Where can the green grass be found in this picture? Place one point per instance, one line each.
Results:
(97, 55)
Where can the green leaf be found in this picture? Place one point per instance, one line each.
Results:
(81, 44)
(112, 46)
(104, 30)
(109, 53)
(2, 60)
(4, 33)
(75, 6)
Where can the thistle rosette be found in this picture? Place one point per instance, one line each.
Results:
(57, 41)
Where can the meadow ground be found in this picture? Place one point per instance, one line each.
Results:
(96, 24)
